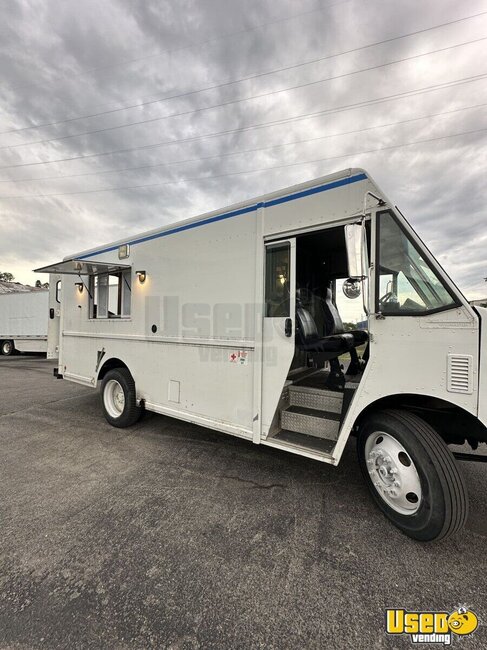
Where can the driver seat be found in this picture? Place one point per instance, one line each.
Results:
(330, 347)
(334, 323)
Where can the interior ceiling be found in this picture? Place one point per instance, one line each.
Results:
(332, 239)
(324, 251)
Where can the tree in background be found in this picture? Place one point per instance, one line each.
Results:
(6, 277)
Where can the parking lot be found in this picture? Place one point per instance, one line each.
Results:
(168, 535)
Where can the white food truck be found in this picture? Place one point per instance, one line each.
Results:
(230, 320)
(29, 322)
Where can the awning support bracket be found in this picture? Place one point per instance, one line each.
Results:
(85, 286)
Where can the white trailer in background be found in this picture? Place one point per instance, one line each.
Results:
(230, 320)
(29, 319)
(23, 321)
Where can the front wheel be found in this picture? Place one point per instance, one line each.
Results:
(118, 398)
(7, 348)
(412, 475)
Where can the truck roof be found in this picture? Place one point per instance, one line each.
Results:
(263, 198)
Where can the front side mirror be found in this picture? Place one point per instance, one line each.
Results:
(354, 241)
(352, 288)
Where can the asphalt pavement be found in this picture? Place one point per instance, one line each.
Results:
(169, 535)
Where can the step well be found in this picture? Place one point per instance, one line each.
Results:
(300, 441)
(311, 422)
(315, 398)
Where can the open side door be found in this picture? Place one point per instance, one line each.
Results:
(54, 319)
(279, 323)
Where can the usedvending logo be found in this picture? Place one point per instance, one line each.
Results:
(431, 627)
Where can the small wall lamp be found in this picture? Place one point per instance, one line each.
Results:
(80, 286)
(141, 275)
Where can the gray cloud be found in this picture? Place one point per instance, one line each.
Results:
(138, 50)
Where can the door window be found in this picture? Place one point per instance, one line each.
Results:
(277, 279)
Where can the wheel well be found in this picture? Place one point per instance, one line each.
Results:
(110, 365)
(455, 425)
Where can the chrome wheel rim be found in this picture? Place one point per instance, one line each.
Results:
(7, 347)
(114, 398)
(393, 473)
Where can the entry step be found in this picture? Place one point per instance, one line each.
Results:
(302, 441)
(311, 422)
(316, 398)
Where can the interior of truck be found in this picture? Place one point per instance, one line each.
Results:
(330, 353)
(321, 265)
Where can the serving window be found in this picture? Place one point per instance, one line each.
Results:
(110, 295)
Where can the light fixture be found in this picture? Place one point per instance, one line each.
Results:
(123, 251)
(141, 275)
(80, 286)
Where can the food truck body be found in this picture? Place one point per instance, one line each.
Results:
(230, 321)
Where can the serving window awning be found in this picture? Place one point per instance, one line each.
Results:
(82, 267)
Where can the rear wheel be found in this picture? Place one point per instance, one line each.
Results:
(7, 348)
(412, 475)
(119, 399)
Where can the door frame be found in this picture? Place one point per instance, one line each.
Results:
(273, 378)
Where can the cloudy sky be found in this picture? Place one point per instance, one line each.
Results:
(81, 78)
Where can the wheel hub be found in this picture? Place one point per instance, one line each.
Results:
(393, 473)
(114, 398)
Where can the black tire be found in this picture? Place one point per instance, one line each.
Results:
(7, 348)
(443, 507)
(130, 413)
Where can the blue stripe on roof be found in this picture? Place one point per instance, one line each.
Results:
(236, 213)
(317, 190)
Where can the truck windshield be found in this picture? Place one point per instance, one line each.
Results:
(406, 283)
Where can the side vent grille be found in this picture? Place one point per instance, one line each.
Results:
(460, 373)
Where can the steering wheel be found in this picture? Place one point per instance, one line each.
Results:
(390, 296)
